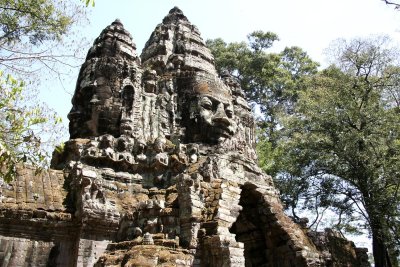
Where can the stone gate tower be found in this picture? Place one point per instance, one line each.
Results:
(160, 169)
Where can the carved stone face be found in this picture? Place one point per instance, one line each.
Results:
(207, 113)
(215, 118)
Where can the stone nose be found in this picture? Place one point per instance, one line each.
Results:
(220, 116)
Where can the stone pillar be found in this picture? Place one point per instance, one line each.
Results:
(190, 209)
(222, 249)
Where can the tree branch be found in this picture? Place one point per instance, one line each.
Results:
(396, 5)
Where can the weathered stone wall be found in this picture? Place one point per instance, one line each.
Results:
(338, 251)
(23, 252)
(36, 228)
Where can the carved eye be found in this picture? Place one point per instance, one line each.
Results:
(206, 103)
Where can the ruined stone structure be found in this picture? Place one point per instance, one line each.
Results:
(160, 170)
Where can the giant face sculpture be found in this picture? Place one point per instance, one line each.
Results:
(209, 106)
(94, 110)
(215, 118)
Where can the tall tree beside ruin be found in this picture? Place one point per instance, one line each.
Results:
(343, 140)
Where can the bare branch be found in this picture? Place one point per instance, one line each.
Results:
(396, 5)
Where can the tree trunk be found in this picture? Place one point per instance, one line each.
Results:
(379, 248)
(377, 226)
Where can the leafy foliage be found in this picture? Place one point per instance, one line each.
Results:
(23, 125)
(25, 19)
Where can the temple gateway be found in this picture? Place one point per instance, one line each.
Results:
(160, 170)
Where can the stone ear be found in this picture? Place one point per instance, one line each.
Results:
(193, 111)
(194, 115)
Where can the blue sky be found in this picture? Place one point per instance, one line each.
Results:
(310, 24)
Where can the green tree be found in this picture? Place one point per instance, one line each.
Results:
(34, 36)
(342, 144)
